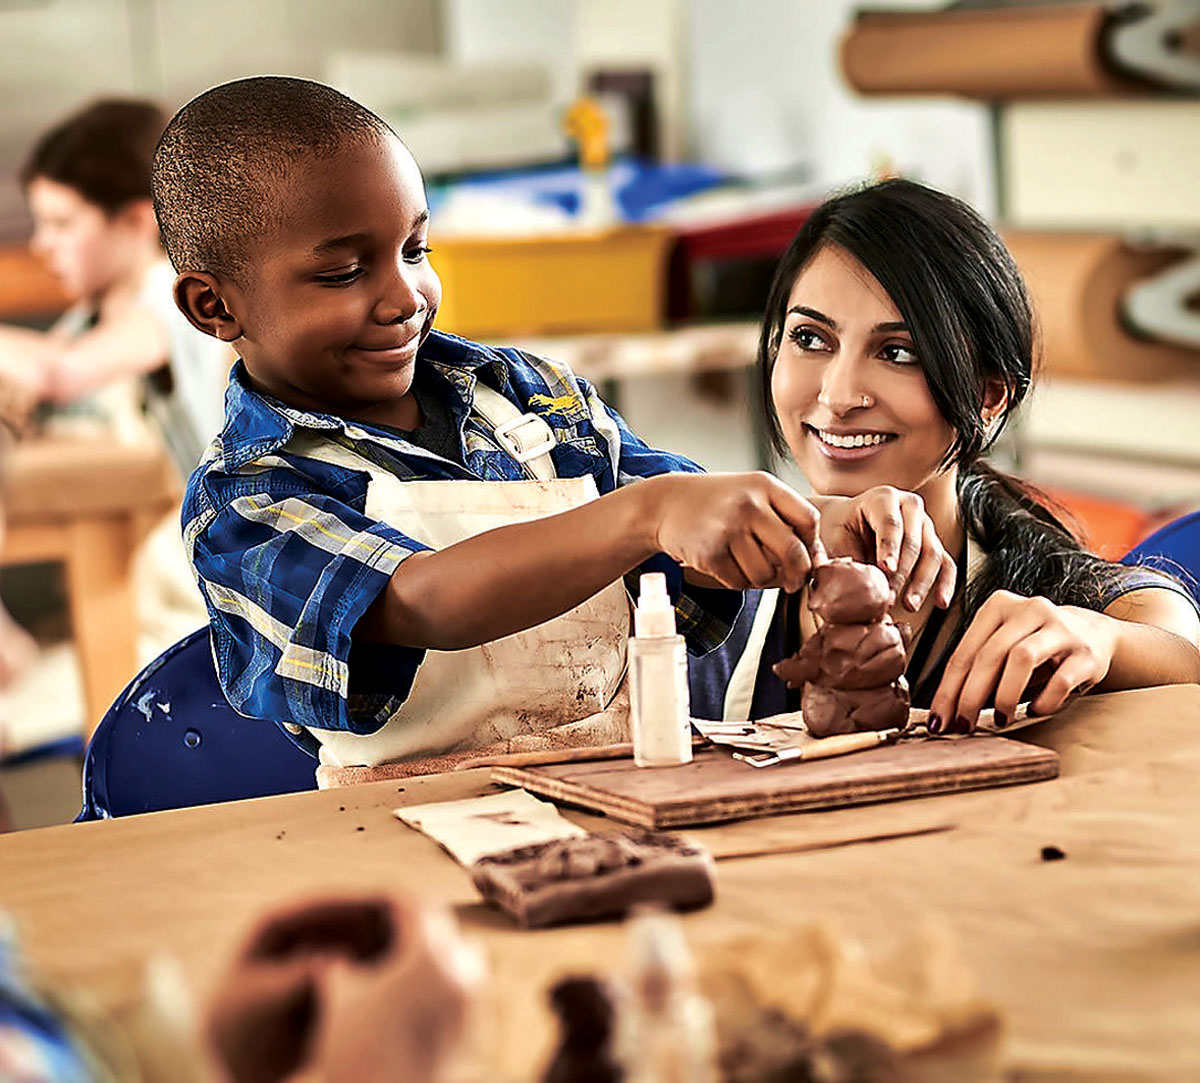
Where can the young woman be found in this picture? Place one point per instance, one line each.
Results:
(897, 343)
(87, 182)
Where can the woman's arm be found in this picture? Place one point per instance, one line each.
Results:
(1158, 640)
(1145, 638)
(130, 343)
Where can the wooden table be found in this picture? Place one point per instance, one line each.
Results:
(1094, 960)
(87, 504)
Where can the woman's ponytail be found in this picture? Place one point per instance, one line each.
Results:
(1030, 550)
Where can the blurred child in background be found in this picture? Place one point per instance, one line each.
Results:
(121, 363)
(88, 186)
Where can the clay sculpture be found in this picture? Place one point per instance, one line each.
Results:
(852, 669)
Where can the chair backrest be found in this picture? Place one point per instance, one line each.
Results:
(1174, 548)
(171, 740)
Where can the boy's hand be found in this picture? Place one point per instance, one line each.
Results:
(744, 530)
(889, 527)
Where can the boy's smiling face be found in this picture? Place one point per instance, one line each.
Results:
(335, 299)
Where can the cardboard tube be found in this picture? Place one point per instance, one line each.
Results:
(1077, 282)
(1003, 53)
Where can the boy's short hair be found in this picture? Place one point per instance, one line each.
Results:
(103, 152)
(222, 158)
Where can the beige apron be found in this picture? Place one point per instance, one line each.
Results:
(560, 679)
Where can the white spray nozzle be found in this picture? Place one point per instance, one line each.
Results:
(655, 615)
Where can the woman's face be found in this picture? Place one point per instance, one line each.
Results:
(850, 394)
(86, 249)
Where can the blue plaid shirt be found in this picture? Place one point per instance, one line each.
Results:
(288, 561)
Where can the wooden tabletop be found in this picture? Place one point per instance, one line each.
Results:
(1093, 960)
(60, 478)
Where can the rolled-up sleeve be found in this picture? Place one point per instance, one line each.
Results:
(286, 574)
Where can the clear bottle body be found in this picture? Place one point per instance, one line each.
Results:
(661, 710)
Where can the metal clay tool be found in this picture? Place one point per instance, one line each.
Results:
(823, 748)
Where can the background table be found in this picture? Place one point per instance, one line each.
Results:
(88, 503)
(1094, 960)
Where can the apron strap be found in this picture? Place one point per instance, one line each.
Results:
(943, 630)
(739, 693)
(527, 437)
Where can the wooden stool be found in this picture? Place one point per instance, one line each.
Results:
(88, 504)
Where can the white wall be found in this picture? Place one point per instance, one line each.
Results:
(56, 55)
(753, 86)
(767, 96)
(575, 37)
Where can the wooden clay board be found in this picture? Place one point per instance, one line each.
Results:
(715, 787)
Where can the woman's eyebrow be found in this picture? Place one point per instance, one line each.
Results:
(813, 314)
(820, 317)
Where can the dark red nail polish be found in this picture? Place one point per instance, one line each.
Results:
(1001, 720)
(961, 725)
(935, 723)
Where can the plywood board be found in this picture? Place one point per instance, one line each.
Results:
(715, 787)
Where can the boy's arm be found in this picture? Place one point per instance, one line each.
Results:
(288, 564)
(743, 530)
(321, 615)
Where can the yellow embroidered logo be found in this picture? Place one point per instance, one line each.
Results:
(564, 404)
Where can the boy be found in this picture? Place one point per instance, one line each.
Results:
(410, 543)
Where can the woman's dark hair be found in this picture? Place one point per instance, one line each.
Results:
(971, 322)
(102, 152)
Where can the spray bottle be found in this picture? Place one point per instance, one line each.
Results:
(661, 710)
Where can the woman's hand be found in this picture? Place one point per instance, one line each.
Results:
(889, 527)
(743, 530)
(1016, 647)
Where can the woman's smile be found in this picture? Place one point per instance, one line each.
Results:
(848, 445)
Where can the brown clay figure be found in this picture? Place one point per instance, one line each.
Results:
(852, 668)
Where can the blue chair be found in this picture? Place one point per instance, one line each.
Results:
(1174, 548)
(171, 740)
